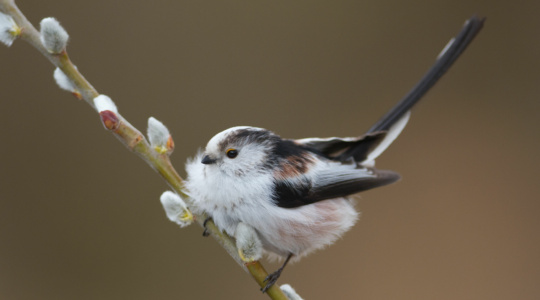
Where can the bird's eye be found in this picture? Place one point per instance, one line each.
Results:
(232, 153)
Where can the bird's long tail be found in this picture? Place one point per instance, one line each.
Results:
(388, 128)
(444, 61)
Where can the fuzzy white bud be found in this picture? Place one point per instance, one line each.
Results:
(248, 243)
(63, 81)
(103, 102)
(53, 36)
(159, 136)
(9, 30)
(176, 209)
(290, 292)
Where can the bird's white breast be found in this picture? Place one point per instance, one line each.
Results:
(227, 199)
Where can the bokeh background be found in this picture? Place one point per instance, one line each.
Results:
(80, 216)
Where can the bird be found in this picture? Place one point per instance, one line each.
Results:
(297, 193)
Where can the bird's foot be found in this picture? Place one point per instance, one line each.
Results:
(271, 279)
(205, 232)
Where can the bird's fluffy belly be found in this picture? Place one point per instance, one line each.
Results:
(307, 228)
(299, 230)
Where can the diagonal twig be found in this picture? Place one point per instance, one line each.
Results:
(132, 138)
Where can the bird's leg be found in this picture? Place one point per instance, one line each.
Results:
(272, 278)
(205, 232)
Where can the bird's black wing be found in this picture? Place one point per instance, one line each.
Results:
(328, 181)
(334, 146)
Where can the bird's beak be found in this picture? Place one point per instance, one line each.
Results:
(207, 160)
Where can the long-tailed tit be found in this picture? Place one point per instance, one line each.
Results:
(295, 193)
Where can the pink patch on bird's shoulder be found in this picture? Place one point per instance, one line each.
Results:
(293, 166)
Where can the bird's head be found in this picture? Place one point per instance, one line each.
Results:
(241, 151)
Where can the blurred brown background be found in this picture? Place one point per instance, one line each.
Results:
(80, 216)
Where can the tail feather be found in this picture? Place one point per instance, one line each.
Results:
(444, 61)
(364, 149)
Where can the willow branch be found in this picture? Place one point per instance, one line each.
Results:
(132, 138)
